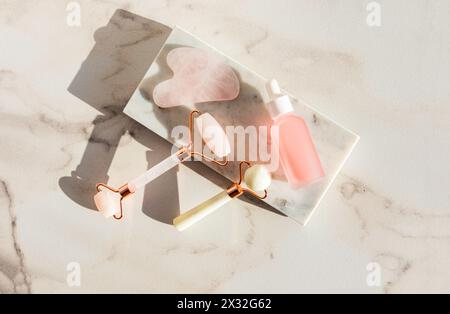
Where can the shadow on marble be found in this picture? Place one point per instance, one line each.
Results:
(123, 51)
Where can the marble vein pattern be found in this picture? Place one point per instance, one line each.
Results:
(62, 94)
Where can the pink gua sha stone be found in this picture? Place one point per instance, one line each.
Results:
(198, 76)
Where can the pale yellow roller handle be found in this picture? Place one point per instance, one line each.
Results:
(196, 214)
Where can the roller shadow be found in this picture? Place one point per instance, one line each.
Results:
(123, 51)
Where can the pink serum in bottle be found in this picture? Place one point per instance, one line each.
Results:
(297, 153)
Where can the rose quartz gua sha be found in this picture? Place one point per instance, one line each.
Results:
(199, 77)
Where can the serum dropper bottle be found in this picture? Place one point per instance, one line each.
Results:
(297, 153)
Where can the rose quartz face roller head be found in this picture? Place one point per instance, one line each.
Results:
(257, 178)
(109, 200)
(198, 76)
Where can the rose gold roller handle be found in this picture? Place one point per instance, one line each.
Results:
(109, 200)
(157, 170)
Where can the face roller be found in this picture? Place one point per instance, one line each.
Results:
(257, 178)
(109, 200)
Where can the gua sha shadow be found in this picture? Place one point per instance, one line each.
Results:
(198, 77)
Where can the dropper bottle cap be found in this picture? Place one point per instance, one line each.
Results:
(279, 103)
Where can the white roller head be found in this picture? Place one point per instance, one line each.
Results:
(108, 202)
(257, 178)
(213, 135)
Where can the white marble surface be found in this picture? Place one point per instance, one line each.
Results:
(390, 204)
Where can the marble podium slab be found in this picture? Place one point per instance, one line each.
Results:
(333, 142)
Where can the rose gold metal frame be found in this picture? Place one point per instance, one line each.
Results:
(123, 191)
(191, 135)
